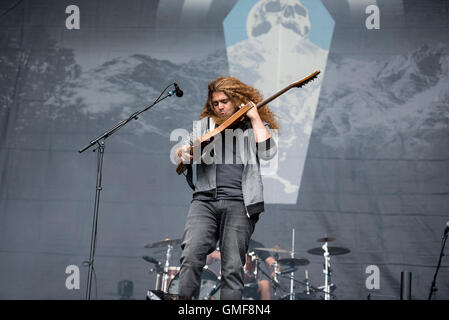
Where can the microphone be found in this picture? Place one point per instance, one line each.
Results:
(150, 259)
(447, 229)
(177, 91)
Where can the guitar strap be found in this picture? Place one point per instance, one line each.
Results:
(189, 176)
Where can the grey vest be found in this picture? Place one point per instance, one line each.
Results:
(250, 152)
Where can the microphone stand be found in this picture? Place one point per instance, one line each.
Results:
(101, 146)
(434, 288)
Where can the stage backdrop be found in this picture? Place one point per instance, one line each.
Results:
(363, 150)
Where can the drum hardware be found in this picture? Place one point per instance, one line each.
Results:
(158, 269)
(160, 295)
(164, 276)
(307, 282)
(164, 279)
(327, 251)
(150, 259)
(166, 242)
(275, 280)
(168, 276)
(275, 272)
(251, 276)
(310, 292)
(300, 296)
(251, 267)
(292, 275)
(210, 284)
(325, 239)
(288, 262)
(332, 288)
(156, 263)
(292, 262)
(333, 251)
(327, 271)
(276, 249)
(256, 259)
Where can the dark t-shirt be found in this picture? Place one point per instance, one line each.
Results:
(229, 174)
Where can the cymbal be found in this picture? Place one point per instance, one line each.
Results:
(333, 251)
(276, 248)
(325, 239)
(293, 262)
(166, 242)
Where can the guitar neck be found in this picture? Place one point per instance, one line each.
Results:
(268, 100)
(293, 85)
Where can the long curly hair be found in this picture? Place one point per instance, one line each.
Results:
(239, 93)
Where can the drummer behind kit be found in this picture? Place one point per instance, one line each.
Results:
(167, 275)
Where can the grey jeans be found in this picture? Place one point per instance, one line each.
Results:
(208, 222)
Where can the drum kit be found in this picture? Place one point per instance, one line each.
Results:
(167, 275)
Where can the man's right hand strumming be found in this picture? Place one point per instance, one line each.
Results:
(182, 154)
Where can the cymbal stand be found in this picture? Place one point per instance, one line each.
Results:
(292, 275)
(159, 273)
(255, 257)
(275, 279)
(307, 282)
(167, 265)
(275, 271)
(312, 289)
(326, 271)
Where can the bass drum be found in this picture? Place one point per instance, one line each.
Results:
(209, 284)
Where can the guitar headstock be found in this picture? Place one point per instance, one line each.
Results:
(306, 80)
